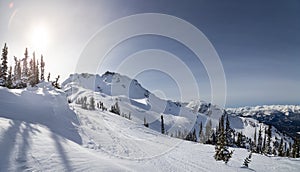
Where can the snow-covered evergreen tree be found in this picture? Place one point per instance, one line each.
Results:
(221, 149)
(42, 68)
(4, 68)
(92, 103)
(208, 131)
(259, 141)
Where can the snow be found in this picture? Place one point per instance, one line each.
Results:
(40, 131)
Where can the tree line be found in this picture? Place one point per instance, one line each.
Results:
(26, 71)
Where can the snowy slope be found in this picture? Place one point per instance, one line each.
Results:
(183, 117)
(40, 132)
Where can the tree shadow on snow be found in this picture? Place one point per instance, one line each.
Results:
(7, 144)
(61, 151)
(24, 147)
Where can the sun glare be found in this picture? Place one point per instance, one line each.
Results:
(40, 38)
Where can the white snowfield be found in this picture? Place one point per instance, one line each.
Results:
(40, 131)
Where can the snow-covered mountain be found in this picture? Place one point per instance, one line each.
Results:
(43, 129)
(40, 131)
(140, 103)
(286, 118)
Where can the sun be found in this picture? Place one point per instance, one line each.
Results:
(40, 38)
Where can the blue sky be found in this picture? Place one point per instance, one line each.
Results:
(258, 42)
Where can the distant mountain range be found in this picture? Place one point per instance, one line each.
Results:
(286, 118)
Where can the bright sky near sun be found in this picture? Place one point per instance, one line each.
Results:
(258, 42)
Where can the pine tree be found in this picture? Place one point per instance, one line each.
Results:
(9, 78)
(247, 160)
(92, 103)
(25, 66)
(55, 83)
(48, 77)
(36, 75)
(269, 135)
(84, 102)
(162, 125)
(145, 122)
(4, 68)
(259, 142)
(208, 129)
(42, 68)
(264, 150)
(221, 150)
(32, 73)
(280, 148)
(201, 134)
(254, 147)
(228, 131)
(194, 138)
(115, 108)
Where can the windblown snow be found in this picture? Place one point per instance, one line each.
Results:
(41, 131)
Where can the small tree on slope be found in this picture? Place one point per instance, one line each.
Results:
(247, 160)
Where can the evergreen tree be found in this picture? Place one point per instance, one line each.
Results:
(84, 102)
(162, 125)
(145, 122)
(295, 151)
(264, 150)
(259, 142)
(254, 147)
(32, 73)
(92, 103)
(55, 83)
(42, 68)
(25, 66)
(208, 133)
(221, 150)
(201, 134)
(36, 75)
(115, 108)
(269, 137)
(194, 138)
(280, 148)
(9, 78)
(48, 77)
(247, 160)
(4, 68)
(228, 131)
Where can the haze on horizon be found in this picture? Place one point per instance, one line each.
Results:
(258, 42)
